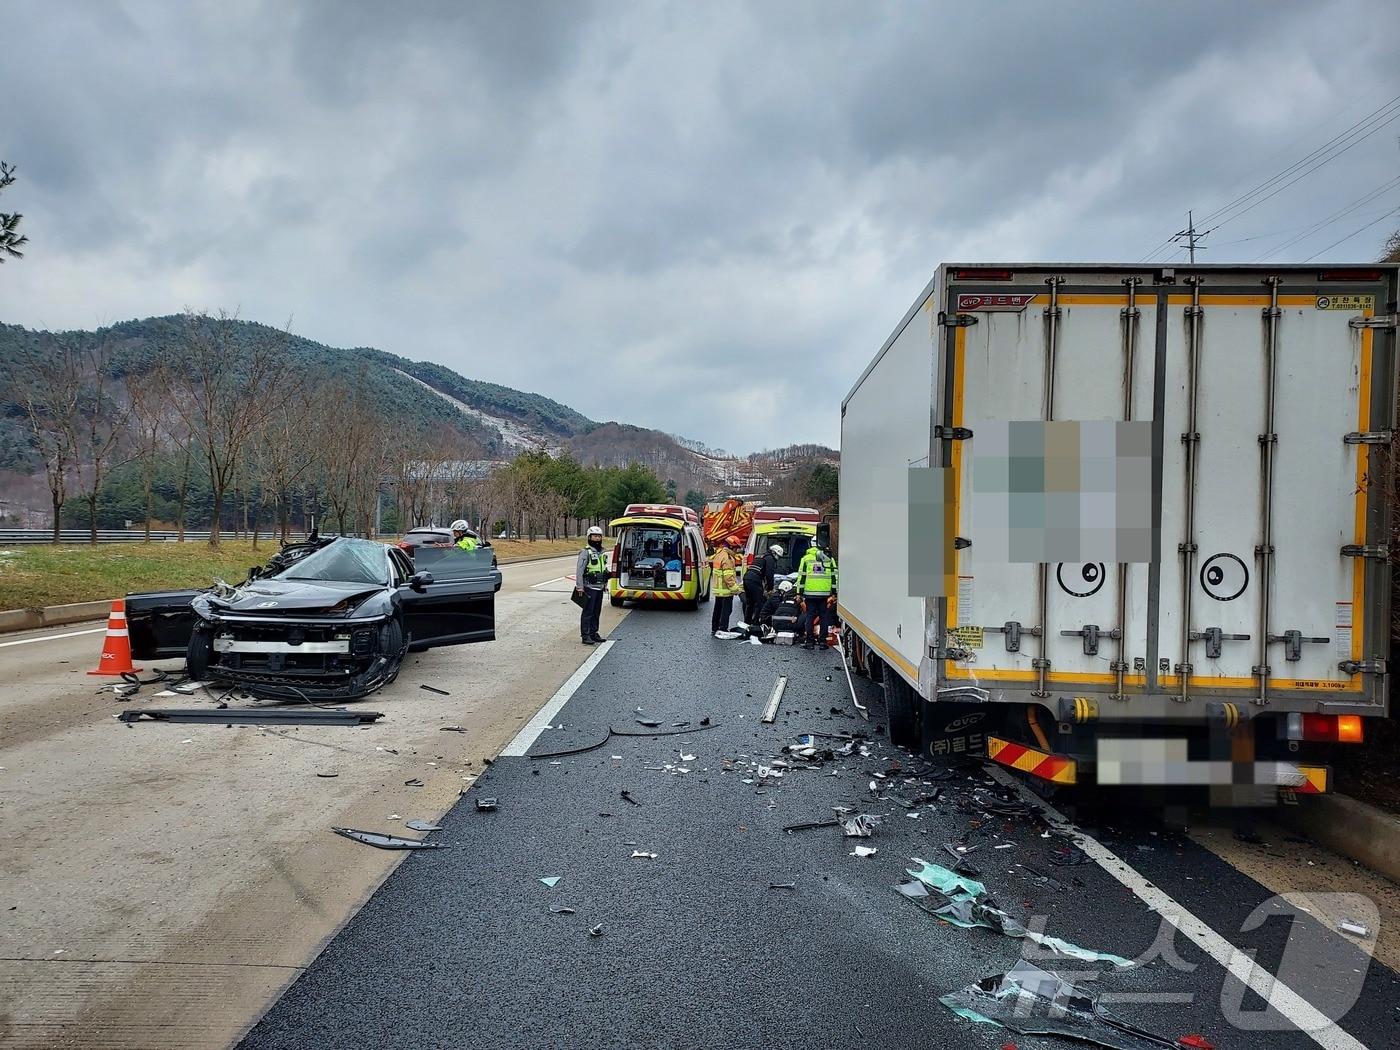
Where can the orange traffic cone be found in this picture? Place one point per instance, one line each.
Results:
(116, 647)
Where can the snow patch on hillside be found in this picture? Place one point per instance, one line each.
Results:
(516, 435)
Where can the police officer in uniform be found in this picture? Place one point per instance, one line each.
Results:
(590, 583)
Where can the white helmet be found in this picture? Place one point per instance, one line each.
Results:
(777, 548)
(785, 586)
(594, 530)
(460, 526)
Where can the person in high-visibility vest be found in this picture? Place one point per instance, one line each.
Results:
(725, 582)
(816, 582)
(461, 538)
(590, 583)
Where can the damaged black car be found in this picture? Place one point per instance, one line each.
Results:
(329, 619)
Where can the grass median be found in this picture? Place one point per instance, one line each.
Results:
(32, 577)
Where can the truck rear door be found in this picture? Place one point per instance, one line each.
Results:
(1263, 391)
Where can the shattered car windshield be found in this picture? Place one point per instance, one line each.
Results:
(344, 561)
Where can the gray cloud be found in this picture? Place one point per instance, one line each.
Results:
(726, 205)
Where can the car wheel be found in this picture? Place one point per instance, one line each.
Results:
(900, 712)
(199, 653)
(616, 601)
(392, 639)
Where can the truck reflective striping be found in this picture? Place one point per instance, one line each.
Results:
(1262, 390)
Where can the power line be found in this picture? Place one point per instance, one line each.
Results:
(1352, 234)
(1367, 126)
(1390, 119)
(1378, 113)
(1336, 216)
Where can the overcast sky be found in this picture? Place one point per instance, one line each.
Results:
(701, 217)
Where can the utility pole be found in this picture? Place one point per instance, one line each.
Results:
(1192, 236)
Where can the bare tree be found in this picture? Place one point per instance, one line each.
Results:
(225, 389)
(11, 240)
(148, 421)
(52, 396)
(99, 434)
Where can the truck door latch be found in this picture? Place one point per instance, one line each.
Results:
(951, 433)
(1383, 321)
(1293, 641)
(1369, 437)
(1213, 636)
(1013, 631)
(1381, 552)
(1090, 633)
(1362, 667)
(947, 320)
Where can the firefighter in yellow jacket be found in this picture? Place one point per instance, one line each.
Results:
(816, 583)
(724, 579)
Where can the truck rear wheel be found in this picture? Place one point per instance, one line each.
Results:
(900, 712)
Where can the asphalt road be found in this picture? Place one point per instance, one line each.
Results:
(161, 884)
(466, 947)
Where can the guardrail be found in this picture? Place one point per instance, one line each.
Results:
(15, 537)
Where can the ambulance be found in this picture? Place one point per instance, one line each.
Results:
(659, 556)
(795, 528)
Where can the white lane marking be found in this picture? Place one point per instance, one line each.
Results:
(55, 637)
(1299, 1012)
(545, 715)
(546, 583)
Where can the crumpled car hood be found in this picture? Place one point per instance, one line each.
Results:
(274, 596)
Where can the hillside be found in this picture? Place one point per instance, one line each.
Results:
(493, 421)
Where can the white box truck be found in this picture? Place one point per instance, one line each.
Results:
(1262, 624)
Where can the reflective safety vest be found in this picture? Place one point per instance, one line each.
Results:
(595, 572)
(466, 543)
(817, 573)
(726, 581)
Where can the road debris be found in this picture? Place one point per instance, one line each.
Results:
(323, 716)
(382, 841)
(1030, 1001)
(807, 825)
(551, 880)
(770, 712)
(422, 825)
(596, 931)
(966, 908)
(782, 885)
(559, 909)
(643, 853)
(414, 783)
(860, 826)
(328, 775)
(627, 797)
(863, 851)
(452, 729)
(485, 805)
(434, 689)
(1356, 928)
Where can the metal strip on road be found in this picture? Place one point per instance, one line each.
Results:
(54, 637)
(530, 732)
(774, 699)
(1240, 965)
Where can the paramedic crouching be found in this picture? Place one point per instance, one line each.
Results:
(590, 584)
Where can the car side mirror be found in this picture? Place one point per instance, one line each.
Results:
(420, 580)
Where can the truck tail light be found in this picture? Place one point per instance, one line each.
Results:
(1335, 729)
(1349, 275)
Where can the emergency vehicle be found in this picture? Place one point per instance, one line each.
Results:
(793, 527)
(659, 556)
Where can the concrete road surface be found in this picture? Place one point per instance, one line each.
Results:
(160, 884)
(737, 934)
